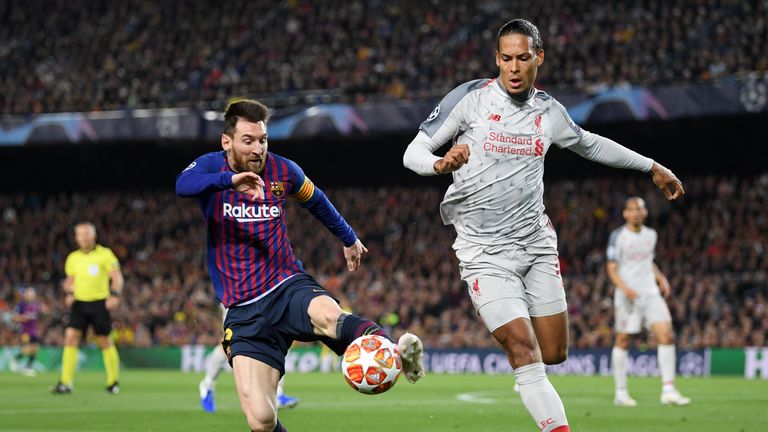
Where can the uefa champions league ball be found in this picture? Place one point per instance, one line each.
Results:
(371, 364)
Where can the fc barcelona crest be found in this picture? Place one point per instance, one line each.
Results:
(277, 189)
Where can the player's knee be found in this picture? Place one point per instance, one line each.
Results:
(667, 338)
(324, 313)
(259, 426)
(522, 354)
(103, 342)
(261, 421)
(554, 356)
(325, 324)
(622, 341)
(520, 350)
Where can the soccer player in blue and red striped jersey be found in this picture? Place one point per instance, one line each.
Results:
(272, 301)
(26, 314)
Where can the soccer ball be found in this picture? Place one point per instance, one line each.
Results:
(371, 364)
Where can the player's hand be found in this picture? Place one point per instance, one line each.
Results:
(456, 157)
(69, 300)
(112, 303)
(665, 180)
(664, 287)
(249, 183)
(630, 293)
(354, 254)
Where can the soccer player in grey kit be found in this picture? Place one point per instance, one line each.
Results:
(639, 299)
(507, 248)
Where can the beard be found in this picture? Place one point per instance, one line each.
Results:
(244, 163)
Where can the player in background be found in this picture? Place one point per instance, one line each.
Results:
(501, 130)
(215, 364)
(92, 288)
(26, 314)
(271, 300)
(638, 300)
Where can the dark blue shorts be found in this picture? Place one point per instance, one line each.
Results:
(265, 329)
(29, 338)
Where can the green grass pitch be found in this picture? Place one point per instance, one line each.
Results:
(156, 400)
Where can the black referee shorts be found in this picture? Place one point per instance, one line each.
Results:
(93, 313)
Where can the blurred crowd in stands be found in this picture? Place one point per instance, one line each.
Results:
(77, 55)
(712, 247)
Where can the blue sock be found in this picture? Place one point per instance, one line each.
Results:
(350, 327)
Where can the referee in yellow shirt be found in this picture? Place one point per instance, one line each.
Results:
(93, 287)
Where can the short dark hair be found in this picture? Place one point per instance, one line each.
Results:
(247, 109)
(523, 27)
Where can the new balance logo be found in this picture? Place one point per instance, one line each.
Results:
(244, 213)
(494, 117)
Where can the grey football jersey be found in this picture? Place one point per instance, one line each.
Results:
(633, 253)
(497, 196)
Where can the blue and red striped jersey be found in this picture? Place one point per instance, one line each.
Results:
(249, 253)
(31, 311)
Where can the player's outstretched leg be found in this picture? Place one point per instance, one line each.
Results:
(350, 327)
(412, 355)
(215, 363)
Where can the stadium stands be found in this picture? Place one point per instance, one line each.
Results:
(711, 246)
(134, 54)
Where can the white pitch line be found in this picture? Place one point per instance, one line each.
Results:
(91, 410)
(488, 397)
(304, 404)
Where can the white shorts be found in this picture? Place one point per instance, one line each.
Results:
(645, 310)
(513, 281)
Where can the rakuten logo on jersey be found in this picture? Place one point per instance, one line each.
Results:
(244, 213)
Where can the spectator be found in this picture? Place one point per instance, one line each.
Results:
(712, 246)
(82, 56)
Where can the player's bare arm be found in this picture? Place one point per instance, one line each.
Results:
(115, 289)
(354, 255)
(249, 183)
(68, 286)
(454, 159)
(665, 180)
(613, 273)
(662, 280)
